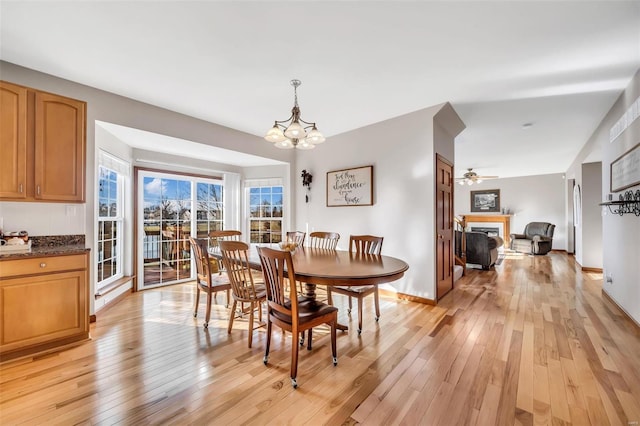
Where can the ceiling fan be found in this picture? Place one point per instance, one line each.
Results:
(471, 177)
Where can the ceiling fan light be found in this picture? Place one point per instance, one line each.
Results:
(479, 181)
(275, 135)
(295, 131)
(469, 182)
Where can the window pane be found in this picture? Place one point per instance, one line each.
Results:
(152, 189)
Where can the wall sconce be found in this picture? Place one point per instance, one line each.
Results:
(307, 178)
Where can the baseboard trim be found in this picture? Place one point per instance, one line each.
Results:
(588, 269)
(113, 302)
(625, 313)
(115, 285)
(408, 297)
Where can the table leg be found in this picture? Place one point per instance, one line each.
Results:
(310, 294)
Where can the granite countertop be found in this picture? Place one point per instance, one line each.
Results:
(57, 245)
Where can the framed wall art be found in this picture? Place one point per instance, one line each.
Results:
(485, 201)
(625, 170)
(350, 187)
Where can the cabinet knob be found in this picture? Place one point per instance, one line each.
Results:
(43, 265)
(38, 189)
(21, 188)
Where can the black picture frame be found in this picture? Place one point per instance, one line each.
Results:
(487, 201)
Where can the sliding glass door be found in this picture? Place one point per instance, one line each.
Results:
(166, 203)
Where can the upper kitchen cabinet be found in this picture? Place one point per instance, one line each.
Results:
(55, 139)
(13, 141)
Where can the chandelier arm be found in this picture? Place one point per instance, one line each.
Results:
(307, 123)
(279, 122)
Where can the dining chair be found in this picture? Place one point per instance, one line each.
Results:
(244, 287)
(207, 281)
(285, 311)
(324, 240)
(215, 237)
(361, 245)
(296, 237)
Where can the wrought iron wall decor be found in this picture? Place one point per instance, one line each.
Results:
(627, 203)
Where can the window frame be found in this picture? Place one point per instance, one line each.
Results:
(118, 241)
(262, 184)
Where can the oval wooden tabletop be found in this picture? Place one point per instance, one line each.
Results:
(336, 267)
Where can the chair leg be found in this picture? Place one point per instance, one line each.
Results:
(294, 360)
(228, 298)
(208, 315)
(359, 315)
(309, 340)
(267, 343)
(350, 306)
(195, 308)
(260, 311)
(334, 349)
(376, 299)
(251, 324)
(329, 298)
(232, 316)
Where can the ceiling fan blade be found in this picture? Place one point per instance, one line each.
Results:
(488, 177)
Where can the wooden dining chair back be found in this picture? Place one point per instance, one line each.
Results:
(206, 280)
(296, 237)
(285, 311)
(243, 285)
(215, 238)
(324, 240)
(360, 245)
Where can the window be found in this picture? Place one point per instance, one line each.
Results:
(209, 208)
(174, 207)
(265, 213)
(110, 225)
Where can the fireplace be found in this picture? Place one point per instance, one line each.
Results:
(500, 221)
(492, 232)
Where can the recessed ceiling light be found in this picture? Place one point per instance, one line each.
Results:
(527, 125)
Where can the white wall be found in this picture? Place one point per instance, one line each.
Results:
(591, 215)
(620, 234)
(401, 151)
(529, 198)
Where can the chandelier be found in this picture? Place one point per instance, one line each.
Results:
(289, 133)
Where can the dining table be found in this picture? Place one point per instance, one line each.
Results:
(316, 266)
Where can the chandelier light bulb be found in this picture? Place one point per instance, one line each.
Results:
(275, 134)
(315, 137)
(285, 144)
(469, 182)
(295, 131)
(304, 144)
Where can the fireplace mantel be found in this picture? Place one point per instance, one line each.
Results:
(504, 219)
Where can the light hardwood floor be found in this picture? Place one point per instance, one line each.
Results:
(531, 342)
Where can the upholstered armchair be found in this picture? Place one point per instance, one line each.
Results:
(482, 249)
(536, 239)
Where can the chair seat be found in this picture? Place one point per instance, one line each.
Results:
(218, 283)
(353, 289)
(307, 311)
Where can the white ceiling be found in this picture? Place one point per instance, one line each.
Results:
(559, 65)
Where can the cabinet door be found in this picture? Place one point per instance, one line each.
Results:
(59, 148)
(13, 141)
(43, 308)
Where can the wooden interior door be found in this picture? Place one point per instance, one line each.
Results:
(444, 226)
